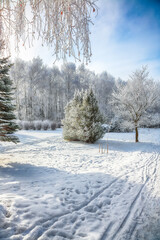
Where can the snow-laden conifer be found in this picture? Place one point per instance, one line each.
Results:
(72, 114)
(7, 117)
(83, 120)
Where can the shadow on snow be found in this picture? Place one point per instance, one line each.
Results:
(115, 205)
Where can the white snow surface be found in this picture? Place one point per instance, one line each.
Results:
(56, 189)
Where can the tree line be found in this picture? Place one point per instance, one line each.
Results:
(42, 92)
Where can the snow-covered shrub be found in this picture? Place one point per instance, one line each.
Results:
(83, 120)
(59, 125)
(153, 121)
(32, 126)
(53, 125)
(26, 125)
(106, 127)
(38, 125)
(115, 125)
(46, 125)
(120, 125)
(20, 124)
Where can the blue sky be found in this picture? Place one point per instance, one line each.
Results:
(125, 36)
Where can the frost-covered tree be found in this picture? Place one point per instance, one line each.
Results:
(83, 120)
(132, 100)
(7, 117)
(19, 78)
(104, 85)
(68, 72)
(42, 92)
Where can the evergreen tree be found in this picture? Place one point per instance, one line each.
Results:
(83, 120)
(72, 114)
(7, 117)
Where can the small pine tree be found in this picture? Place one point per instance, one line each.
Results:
(72, 114)
(7, 117)
(83, 120)
(90, 123)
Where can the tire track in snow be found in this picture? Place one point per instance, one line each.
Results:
(152, 179)
(144, 175)
(76, 209)
(51, 221)
(132, 208)
(105, 234)
(57, 217)
(118, 231)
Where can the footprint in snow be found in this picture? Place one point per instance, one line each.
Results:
(106, 202)
(6, 225)
(8, 214)
(73, 219)
(91, 209)
(77, 191)
(82, 234)
(82, 218)
(98, 181)
(36, 196)
(87, 187)
(28, 216)
(22, 205)
(99, 204)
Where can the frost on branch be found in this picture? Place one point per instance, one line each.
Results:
(61, 24)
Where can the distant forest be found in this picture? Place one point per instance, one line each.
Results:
(42, 92)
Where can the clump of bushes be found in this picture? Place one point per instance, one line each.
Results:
(32, 126)
(38, 125)
(117, 125)
(20, 125)
(59, 125)
(53, 126)
(25, 125)
(45, 125)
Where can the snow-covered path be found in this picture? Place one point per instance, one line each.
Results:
(54, 189)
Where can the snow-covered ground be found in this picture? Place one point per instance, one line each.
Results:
(55, 189)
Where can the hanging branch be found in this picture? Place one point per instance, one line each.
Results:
(61, 24)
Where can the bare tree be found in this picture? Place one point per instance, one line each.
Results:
(132, 100)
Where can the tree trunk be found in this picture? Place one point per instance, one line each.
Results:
(136, 137)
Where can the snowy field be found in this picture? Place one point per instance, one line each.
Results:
(54, 189)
